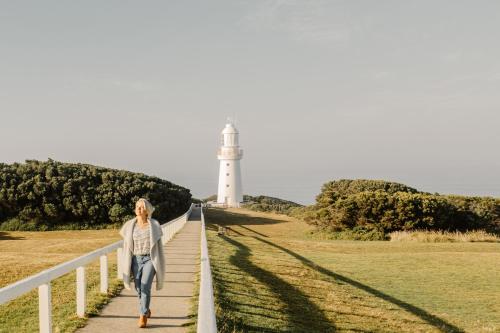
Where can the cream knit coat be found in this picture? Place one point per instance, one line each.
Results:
(156, 251)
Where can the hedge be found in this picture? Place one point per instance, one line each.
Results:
(367, 205)
(45, 195)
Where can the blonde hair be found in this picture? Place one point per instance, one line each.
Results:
(149, 207)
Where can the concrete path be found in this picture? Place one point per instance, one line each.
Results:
(169, 306)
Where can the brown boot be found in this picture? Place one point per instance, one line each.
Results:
(143, 320)
(148, 314)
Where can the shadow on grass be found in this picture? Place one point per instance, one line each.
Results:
(5, 236)
(304, 316)
(225, 217)
(258, 233)
(429, 318)
(228, 218)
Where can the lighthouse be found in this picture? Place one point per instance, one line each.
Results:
(230, 193)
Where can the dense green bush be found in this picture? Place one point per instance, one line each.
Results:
(263, 203)
(366, 206)
(333, 190)
(40, 195)
(478, 212)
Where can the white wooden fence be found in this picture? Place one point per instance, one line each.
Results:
(42, 280)
(206, 310)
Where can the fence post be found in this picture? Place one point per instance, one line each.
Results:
(81, 290)
(119, 271)
(45, 308)
(104, 274)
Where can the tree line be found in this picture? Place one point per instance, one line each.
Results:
(47, 195)
(373, 208)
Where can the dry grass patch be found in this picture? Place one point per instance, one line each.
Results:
(23, 254)
(442, 236)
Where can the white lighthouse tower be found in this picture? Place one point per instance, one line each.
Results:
(229, 154)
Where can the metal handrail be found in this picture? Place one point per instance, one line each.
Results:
(206, 309)
(42, 280)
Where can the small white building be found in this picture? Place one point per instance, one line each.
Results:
(230, 192)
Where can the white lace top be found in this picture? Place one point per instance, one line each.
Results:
(142, 243)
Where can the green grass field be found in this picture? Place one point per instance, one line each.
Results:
(26, 253)
(271, 275)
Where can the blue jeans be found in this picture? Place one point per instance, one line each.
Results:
(144, 272)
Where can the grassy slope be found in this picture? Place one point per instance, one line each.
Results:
(26, 253)
(271, 277)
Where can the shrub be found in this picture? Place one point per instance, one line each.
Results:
(40, 195)
(333, 190)
(263, 203)
(385, 207)
(15, 224)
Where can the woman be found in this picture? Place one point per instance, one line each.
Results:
(143, 256)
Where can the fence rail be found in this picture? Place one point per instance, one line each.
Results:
(206, 308)
(42, 280)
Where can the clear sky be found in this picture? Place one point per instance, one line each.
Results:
(405, 91)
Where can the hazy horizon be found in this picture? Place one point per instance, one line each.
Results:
(320, 90)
